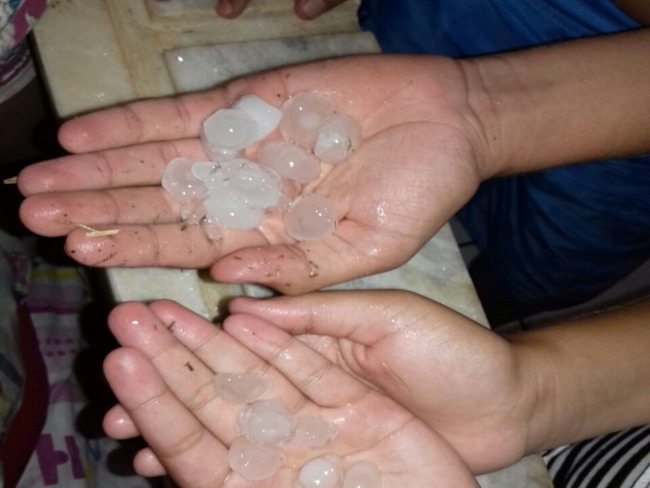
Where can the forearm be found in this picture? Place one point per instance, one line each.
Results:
(588, 376)
(569, 102)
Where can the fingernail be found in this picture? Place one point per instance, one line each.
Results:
(313, 8)
(225, 8)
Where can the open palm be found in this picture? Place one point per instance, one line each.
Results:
(162, 378)
(460, 378)
(419, 163)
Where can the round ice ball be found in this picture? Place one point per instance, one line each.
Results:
(266, 421)
(229, 129)
(239, 387)
(232, 215)
(302, 117)
(179, 181)
(266, 116)
(252, 184)
(192, 211)
(322, 472)
(313, 431)
(241, 182)
(362, 475)
(253, 460)
(338, 136)
(310, 217)
(218, 154)
(289, 160)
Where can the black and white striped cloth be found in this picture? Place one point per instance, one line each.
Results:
(618, 460)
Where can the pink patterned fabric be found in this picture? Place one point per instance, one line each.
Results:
(17, 17)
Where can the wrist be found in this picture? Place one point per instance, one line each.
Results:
(539, 382)
(585, 377)
(574, 101)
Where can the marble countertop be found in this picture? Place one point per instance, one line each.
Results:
(123, 50)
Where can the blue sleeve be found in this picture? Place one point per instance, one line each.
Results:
(474, 27)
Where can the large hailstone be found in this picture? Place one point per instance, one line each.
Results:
(337, 137)
(254, 461)
(239, 387)
(313, 431)
(289, 160)
(239, 192)
(266, 116)
(266, 422)
(229, 131)
(310, 217)
(303, 115)
(322, 472)
(180, 182)
(362, 475)
(226, 133)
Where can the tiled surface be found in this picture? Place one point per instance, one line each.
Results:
(201, 67)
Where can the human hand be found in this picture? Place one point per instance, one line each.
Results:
(420, 161)
(460, 378)
(162, 377)
(305, 9)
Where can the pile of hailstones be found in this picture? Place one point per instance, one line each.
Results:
(265, 425)
(231, 191)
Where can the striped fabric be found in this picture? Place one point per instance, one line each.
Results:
(617, 460)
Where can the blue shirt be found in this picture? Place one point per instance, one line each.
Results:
(552, 238)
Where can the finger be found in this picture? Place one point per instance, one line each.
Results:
(57, 214)
(310, 9)
(363, 317)
(178, 245)
(310, 265)
(135, 325)
(161, 119)
(229, 9)
(118, 424)
(355, 406)
(147, 464)
(139, 165)
(181, 117)
(187, 374)
(219, 351)
(178, 438)
(313, 374)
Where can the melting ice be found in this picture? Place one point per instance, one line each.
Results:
(233, 190)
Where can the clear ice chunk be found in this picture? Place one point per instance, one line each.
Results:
(179, 181)
(322, 472)
(240, 387)
(230, 191)
(289, 160)
(206, 171)
(255, 185)
(310, 217)
(267, 422)
(192, 211)
(303, 115)
(313, 431)
(218, 154)
(253, 460)
(228, 130)
(362, 475)
(338, 136)
(241, 182)
(232, 216)
(211, 230)
(266, 116)
(239, 192)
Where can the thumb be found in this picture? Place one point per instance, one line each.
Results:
(364, 317)
(310, 9)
